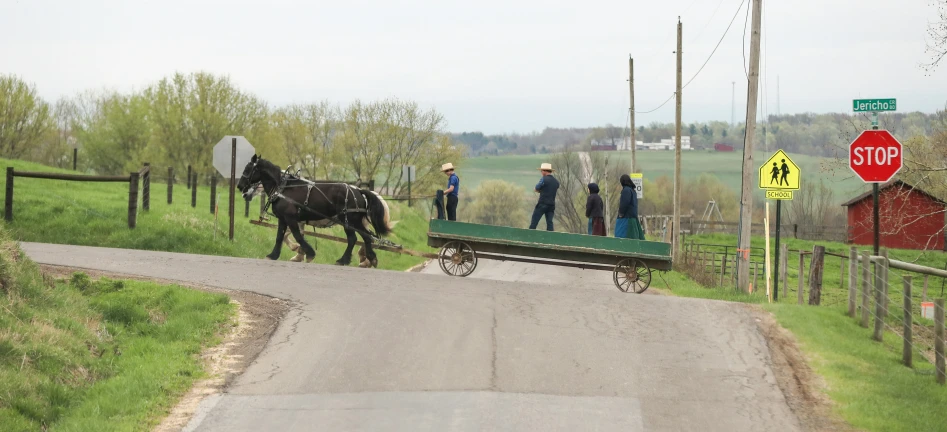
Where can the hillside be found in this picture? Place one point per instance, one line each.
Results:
(95, 214)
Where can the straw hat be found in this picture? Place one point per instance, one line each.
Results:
(447, 166)
(546, 167)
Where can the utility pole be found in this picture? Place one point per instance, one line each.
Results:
(631, 90)
(746, 199)
(676, 233)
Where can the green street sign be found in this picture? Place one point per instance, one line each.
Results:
(874, 105)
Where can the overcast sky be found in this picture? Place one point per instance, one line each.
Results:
(487, 65)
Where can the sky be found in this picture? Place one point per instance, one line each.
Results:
(488, 65)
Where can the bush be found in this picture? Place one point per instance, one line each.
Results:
(500, 203)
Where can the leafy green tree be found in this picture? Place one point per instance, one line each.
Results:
(498, 203)
(116, 133)
(24, 117)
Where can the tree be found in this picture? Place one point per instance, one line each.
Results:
(491, 205)
(191, 113)
(55, 149)
(308, 135)
(24, 117)
(937, 31)
(116, 133)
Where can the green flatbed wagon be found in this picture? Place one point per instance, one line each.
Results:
(630, 261)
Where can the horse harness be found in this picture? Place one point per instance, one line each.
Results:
(333, 220)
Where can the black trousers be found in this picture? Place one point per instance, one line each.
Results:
(543, 210)
(452, 207)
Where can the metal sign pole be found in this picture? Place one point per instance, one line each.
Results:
(233, 181)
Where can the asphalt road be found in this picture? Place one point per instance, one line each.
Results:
(395, 351)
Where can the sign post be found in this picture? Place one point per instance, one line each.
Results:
(407, 172)
(875, 156)
(779, 176)
(230, 152)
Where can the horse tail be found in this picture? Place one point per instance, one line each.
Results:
(378, 213)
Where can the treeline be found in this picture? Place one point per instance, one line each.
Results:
(177, 120)
(808, 133)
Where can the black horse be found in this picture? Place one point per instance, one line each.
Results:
(297, 202)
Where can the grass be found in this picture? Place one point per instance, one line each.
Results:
(103, 355)
(95, 214)
(726, 166)
(870, 389)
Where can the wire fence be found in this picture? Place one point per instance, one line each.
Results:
(881, 293)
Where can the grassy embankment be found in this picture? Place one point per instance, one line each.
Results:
(95, 214)
(865, 380)
(107, 355)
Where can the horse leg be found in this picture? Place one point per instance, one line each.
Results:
(347, 255)
(294, 227)
(280, 234)
(367, 253)
(300, 254)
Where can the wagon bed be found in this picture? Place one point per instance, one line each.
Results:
(630, 261)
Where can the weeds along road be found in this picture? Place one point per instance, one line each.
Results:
(378, 350)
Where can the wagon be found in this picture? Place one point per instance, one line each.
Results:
(631, 262)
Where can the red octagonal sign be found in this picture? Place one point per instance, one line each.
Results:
(875, 156)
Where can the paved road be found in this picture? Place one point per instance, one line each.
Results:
(394, 351)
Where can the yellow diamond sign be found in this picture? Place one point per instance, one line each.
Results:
(779, 173)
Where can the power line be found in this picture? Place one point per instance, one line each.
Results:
(659, 106)
(718, 44)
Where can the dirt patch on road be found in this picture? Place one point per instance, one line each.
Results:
(801, 386)
(257, 318)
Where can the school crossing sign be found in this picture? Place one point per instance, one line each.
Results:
(779, 176)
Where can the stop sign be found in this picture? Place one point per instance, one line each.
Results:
(875, 156)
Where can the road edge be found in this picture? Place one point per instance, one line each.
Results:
(258, 317)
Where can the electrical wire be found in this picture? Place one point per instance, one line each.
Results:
(718, 44)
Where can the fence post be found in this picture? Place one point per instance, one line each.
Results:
(170, 184)
(194, 190)
(852, 280)
(723, 267)
(189, 177)
(784, 267)
(816, 265)
(8, 204)
(132, 199)
(884, 299)
(146, 188)
(879, 302)
(213, 193)
(939, 339)
(907, 352)
(75, 157)
(756, 270)
(866, 285)
(800, 293)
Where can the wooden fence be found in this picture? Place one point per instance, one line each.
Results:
(132, 179)
(656, 224)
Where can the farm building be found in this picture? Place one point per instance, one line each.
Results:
(720, 147)
(909, 218)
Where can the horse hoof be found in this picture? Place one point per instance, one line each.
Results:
(297, 258)
(270, 258)
(309, 259)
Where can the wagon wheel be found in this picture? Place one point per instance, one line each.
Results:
(457, 259)
(632, 274)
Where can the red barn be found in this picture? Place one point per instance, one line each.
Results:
(720, 147)
(909, 218)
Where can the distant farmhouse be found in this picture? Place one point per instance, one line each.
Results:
(666, 144)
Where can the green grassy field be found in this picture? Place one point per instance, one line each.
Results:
(95, 214)
(726, 166)
(103, 355)
(869, 387)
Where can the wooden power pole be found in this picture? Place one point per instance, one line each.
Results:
(631, 113)
(746, 198)
(676, 233)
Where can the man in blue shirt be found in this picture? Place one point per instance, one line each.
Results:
(547, 188)
(453, 186)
